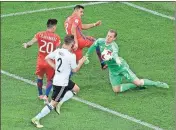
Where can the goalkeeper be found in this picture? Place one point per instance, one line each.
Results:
(118, 68)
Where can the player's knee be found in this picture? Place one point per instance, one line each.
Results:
(138, 82)
(76, 89)
(39, 77)
(116, 89)
(53, 103)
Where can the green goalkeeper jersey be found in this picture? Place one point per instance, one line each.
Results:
(113, 47)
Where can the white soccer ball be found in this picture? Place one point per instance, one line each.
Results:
(106, 55)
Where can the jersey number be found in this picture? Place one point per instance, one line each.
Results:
(49, 47)
(60, 63)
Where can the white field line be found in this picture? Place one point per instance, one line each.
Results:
(91, 3)
(90, 104)
(49, 9)
(148, 10)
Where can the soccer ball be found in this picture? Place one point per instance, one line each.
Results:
(106, 55)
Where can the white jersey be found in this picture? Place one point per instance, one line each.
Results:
(65, 61)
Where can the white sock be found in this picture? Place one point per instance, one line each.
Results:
(45, 111)
(69, 94)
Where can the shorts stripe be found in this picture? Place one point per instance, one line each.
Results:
(60, 93)
(90, 39)
(82, 35)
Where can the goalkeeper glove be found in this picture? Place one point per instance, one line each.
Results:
(87, 60)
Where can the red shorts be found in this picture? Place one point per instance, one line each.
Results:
(82, 43)
(44, 68)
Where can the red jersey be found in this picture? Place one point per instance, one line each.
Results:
(74, 20)
(47, 42)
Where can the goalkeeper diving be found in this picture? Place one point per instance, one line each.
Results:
(118, 67)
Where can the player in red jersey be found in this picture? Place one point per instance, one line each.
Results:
(73, 25)
(47, 41)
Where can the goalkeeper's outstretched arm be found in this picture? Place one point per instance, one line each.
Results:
(92, 48)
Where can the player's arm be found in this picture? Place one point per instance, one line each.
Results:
(74, 25)
(92, 48)
(115, 54)
(76, 67)
(58, 42)
(73, 30)
(87, 26)
(49, 59)
(30, 43)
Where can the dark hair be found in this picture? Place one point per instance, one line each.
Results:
(68, 39)
(78, 7)
(113, 31)
(51, 23)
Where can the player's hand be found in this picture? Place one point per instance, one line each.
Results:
(98, 23)
(87, 60)
(82, 60)
(25, 45)
(75, 47)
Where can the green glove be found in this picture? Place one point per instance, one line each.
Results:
(87, 60)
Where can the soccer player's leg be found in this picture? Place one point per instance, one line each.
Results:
(79, 54)
(58, 93)
(36, 122)
(148, 83)
(49, 76)
(143, 82)
(72, 89)
(133, 79)
(45, 111)
(40, 73)
(116, 82)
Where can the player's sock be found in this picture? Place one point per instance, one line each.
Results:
(40, 84)
(148, 82)
(45, 111)
(127, 86)
(69, 94)
(48, 88)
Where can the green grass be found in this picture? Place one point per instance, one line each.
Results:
(14, 7)
(146, 42)
(161, 7)
(74, 116)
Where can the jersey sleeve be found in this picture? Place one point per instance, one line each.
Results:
(115, 50)
(51, 55)
(92, 47)
(58, 42)
(37, 35)
(73, 62)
